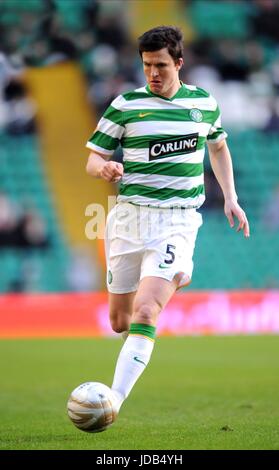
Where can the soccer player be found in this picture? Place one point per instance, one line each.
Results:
(151, 232)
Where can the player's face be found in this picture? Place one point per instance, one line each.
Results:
(161, 72)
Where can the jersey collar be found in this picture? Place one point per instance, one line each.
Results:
(179, 94)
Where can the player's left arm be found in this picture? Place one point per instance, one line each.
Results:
(221, 163)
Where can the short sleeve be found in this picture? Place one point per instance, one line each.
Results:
(216, 132)
(108, 132)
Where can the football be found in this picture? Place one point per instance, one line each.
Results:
(91, 407)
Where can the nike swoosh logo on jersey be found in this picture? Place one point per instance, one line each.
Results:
(138, 360)
(163, 266)
(142, 115)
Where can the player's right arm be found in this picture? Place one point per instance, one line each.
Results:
(104, 142)
(99, 167)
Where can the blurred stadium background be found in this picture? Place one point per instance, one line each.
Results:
(61, 63)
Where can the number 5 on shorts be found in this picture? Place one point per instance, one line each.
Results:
(171, 253)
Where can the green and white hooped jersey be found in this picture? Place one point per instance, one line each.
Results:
(163, 143)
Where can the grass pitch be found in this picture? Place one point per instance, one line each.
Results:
(197, 393)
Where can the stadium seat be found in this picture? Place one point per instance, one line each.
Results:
(240, 263)
(22, 178)
(220, 19)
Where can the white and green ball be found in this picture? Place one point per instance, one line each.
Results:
(91, 407)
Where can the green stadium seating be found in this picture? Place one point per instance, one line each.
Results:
(29, 5)
(225, 259)
(71, 13)
(22, 178)
(220, 19)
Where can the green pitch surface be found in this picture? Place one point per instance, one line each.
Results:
(197, 393)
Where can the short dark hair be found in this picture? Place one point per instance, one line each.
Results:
(161, 37)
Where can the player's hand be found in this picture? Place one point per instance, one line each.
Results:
(112, 172)
(232, 209)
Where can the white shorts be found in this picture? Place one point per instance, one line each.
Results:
(144, 241)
